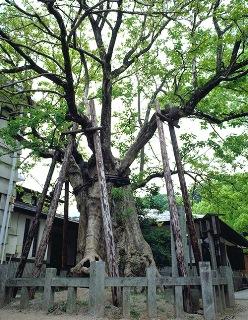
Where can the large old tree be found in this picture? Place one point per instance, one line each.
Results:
(56, 55)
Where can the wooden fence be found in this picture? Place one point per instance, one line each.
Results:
(216, 289)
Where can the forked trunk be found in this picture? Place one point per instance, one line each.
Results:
(133, 253)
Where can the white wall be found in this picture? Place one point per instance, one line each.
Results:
(16, 235)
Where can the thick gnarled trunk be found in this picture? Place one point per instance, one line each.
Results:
(133, 253)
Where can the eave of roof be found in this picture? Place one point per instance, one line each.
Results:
(30, 210)
(229, 233)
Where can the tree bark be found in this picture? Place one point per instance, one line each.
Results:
(133, 252)
(186, 201)
(35, 223)
(65, 226)
(52, 211)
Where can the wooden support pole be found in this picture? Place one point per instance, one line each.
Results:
(65, 226)
(207, 291)
(35, 222)
(106, 216)
(52, 209)
(96, 289)
(185, 195)
(48, 295)
(174, 220)
(178, 290)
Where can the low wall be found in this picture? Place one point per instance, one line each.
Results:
(216, 289)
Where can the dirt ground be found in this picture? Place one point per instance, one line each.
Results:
(138, 309)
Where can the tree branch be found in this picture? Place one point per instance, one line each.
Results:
(51, 76)
(159, 174)
(215, 120)
(16, 69)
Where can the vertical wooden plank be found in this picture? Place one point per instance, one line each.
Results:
(207, 291)
(211, 247)
(97, 289)
(24, 298)
(214, 290)
(71, 303)
(151, 292)
(217, 294)
(223, 299)
(126, 302)
(48, 296)
(229, 290)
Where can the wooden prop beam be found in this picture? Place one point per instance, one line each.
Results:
(106, 216)
(35, 222)
(186, 201)
(65, 225)
(174, 219)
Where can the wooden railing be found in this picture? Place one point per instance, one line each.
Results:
(216, 289)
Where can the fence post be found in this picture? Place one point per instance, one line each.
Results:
(97, 289)
(151, 292)
(48, 296)
(229, 292)
(5, 292)
(126, 302)
(71, 303)
(207, 291)
(24, 298)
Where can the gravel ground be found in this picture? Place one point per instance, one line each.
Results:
(138, 307)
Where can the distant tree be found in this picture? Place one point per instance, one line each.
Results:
(226, 195)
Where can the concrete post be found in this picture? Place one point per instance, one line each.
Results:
(24, 298)
(48, 296)
(97, 289)
(5, 292)
(71, 304)
(151, 292)
(126, 302)
(207, 291)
